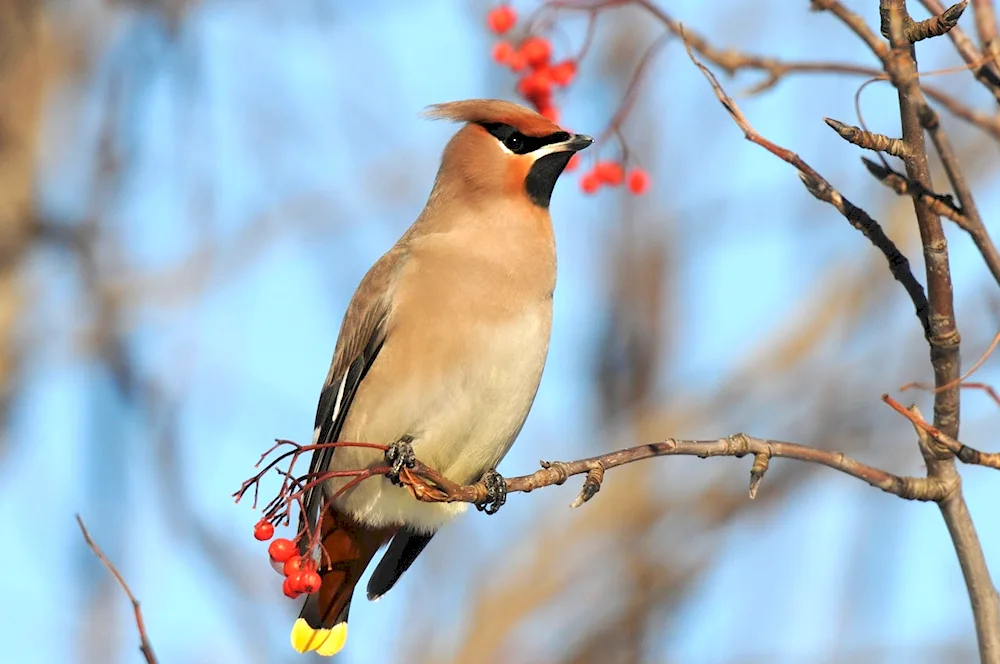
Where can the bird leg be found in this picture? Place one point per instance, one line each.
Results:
(496, 492)
(400, 455)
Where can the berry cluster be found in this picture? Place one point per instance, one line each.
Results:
(532, 59)
(539, 76)
(612, 174)
(300, 573)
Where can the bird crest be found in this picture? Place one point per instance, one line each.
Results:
(483, 111)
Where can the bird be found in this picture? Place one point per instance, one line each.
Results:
(439, 355)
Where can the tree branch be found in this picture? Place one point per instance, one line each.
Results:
(985, 73)
(818, 186)
(429, 485)
(144, 645)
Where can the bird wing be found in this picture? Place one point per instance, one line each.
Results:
(362, 335)
(404, 549)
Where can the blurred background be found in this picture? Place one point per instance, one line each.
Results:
(190, 190)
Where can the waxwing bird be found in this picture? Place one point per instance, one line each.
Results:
(440, 353)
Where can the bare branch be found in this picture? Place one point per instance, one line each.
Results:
(942, 204)
(985, 72)
(430, 486)
(935, 26)
(973, 225)
(961, 379)
(868, 140)
(817, 185)
(964, 453)
(144, 645)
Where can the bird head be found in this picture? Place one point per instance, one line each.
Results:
(504, 150)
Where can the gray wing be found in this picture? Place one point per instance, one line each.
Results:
(362, 334)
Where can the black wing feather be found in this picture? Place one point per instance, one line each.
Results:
(330, 426)
(402, 551)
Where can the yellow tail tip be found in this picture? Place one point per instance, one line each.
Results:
(335, 642)
(326, 642)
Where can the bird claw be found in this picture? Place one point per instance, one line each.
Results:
(496, 492)
(400, 455)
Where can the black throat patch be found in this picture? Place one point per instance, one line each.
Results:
(542, 177)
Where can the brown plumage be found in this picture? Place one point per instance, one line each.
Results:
(494, 110)
(443, 345)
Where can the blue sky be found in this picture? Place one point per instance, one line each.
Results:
(308, 112)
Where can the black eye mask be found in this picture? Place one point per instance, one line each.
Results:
(517, 142)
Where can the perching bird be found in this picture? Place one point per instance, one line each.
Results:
(440, 353)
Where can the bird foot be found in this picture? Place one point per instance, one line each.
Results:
(496, 492)
(400, 455)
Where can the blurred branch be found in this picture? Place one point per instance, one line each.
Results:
(144, 646)
(23, 80)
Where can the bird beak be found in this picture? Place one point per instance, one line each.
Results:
(574, 143)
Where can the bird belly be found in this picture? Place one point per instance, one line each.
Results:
(462, 420)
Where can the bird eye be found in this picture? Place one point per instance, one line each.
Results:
(514, 143)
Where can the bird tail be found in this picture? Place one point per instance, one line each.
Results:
(349, 547)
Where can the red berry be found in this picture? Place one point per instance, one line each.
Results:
(502, 52)
(590, 182)
(535, 85)
(537, 51)
(638, 181)
(610, 172)
(540, 100)
(563, 73)
(573, 163)
(281, 550)
(264, 530)
(517, 62)
(550, 112)
(501, 19)
(294, 564)
(289, 591)
(310, 582)
(295, 581)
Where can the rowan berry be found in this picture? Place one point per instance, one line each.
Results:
(501, 19)
(638, 181)
(264, 530)
(537, 51)
(281, 550)
(563, 73)
(590, 183)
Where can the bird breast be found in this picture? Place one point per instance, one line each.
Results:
(459, 370)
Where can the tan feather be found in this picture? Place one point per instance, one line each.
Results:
(523, 119)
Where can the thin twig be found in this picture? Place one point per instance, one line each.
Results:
(965, 454)
(942, 204)
(937, 25)
(986, 73)
(961, 379)
(818, 186)
(144, 645)
(868, 140)
(973, 225)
